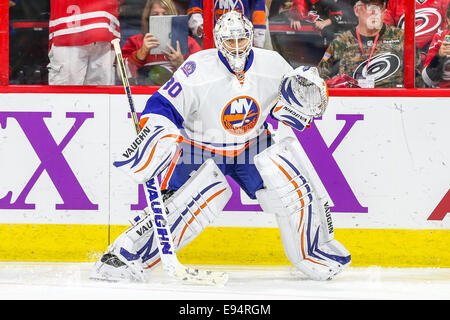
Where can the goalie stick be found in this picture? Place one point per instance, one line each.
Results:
(158, 212)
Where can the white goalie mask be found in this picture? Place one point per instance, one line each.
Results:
(304, 90)
(233, 37)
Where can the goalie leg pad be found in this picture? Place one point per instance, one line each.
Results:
(197, 203)
(301, 210)
(191, 209)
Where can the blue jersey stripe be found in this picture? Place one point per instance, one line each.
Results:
(158, 104)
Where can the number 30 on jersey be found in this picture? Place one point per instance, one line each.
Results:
(173, 88)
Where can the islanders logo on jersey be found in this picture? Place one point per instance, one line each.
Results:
(240, 115)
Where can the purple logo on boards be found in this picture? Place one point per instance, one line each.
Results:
(74, 197)
(52, 160)
(321, 156)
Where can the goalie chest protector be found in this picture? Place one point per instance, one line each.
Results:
(215, 106)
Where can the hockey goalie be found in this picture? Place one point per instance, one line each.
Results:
(208, 122)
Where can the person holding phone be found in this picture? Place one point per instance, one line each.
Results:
(145, 68)
(436, 71)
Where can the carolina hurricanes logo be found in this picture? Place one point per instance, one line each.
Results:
(381, 66)
(428, 20)
(240, 115)
(313, 16)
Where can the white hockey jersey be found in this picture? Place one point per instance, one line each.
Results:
(212, 108)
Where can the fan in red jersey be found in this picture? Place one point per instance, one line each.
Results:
(80, 51)
(430, 16)
(436, 72)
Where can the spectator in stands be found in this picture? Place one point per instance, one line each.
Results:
(79, 42)
(153, 69)
(254, 10)
(12, 3)
(182, 6)
(430, 16)
(11, 33)
(436, 72)
(328, 16)
(267, 38)
(372, 52)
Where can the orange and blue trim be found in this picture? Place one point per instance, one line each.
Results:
(190, 205)
(312, 247)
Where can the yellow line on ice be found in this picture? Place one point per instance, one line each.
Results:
(226, 245)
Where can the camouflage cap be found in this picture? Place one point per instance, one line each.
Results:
(368, 1)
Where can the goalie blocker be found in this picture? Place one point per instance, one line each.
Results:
(151, 151)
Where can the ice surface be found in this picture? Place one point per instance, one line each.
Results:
(61, 281)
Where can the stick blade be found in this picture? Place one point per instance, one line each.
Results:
(200, 277)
